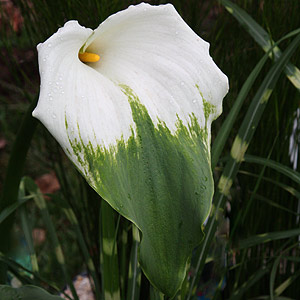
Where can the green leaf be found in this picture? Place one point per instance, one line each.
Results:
(25, 293)
(160, 181)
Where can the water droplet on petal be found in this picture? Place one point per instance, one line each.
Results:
(182, 83)
(54, 116)
(49, 45)
(176, 32)
(194, 101)
(60, 78)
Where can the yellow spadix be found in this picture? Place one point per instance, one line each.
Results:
(87, 57)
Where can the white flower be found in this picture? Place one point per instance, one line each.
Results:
(136, 123)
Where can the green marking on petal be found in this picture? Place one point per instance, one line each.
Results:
(159, 180)
(208, 108)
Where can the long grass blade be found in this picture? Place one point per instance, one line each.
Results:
(27, 229)
(226, 127)
(134, 276)
(275, 204)
(238, 294)
(5, 213)
(109, 253)
(33, 189)
(283, 286)
(267, 237)
(239, 148)
(289, 172)
(13, 177)
(262, 38)
(155, 294)
(18, 271)
(84, 249)
(292, 191)
(124, 244)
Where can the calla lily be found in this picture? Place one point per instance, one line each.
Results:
(136, 123)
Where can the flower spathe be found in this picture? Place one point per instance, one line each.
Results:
(136, 123)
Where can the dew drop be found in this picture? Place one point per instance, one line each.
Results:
(49, 45)
(60, 78)
(62, 92)
(50, 98)
(57, 83)
(203, 187)
(176, 32)
(194, 101)
(44, 59)
(54, 116)
(182, 83)
(49, 82)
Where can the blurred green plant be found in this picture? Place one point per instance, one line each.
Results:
(258, 193)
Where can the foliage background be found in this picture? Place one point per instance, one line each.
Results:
(262, 200)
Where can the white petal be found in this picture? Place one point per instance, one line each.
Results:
(152, 50)
(72, 91)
